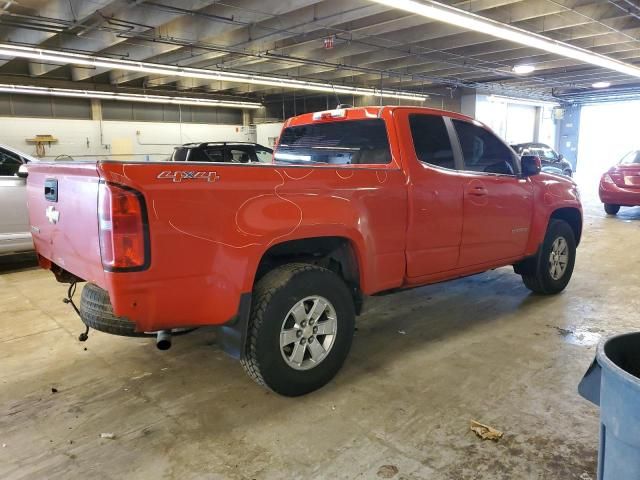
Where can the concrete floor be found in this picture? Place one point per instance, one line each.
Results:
(424, 363)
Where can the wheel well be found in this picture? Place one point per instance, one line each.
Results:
(573, 218)
(334, 253)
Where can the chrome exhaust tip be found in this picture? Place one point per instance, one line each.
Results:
(163, 339)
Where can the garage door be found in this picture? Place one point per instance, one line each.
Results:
(607, 132)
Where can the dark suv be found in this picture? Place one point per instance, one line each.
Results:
(552, 162)
(226, 152)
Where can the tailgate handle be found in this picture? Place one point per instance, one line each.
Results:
(51, 189)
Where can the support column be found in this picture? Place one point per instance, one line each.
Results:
(96, 109)
(568, 132)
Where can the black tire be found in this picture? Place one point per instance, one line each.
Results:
(96, 312)
(611, 209)
(537, 277)
(273, 297)
(568, 173)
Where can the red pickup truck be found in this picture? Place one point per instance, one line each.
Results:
(359, 201)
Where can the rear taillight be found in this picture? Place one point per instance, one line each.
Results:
(606, 178)
(124, 239)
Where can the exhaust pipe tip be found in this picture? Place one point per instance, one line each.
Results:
(163, 340)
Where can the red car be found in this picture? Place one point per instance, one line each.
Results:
(359, 201)
(620, 185)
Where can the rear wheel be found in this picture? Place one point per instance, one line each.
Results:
(611, 209)
(300, 330)
(551, 270)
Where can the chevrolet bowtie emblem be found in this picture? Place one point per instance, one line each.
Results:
(52, 214)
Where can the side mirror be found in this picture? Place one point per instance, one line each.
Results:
(22, 171)
(531, 165)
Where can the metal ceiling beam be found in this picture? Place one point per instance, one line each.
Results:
(76, 11)
(466, 43)
(199, 28)
(117, 31)
(447, 39)
(377, 22)
(254, 37)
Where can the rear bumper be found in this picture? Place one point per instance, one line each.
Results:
(176, 302)
(615, 195)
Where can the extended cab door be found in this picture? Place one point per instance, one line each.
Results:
(435, 188)
(498, 203)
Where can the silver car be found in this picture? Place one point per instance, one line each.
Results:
(15, 235)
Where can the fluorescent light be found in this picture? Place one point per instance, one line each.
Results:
(601, 85)
(130, 97)
(471, 21)
(523, 69)
(521, 101)
(202, 73)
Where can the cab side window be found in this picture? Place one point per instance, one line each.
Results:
(484, 152)
(431, 140)
(239, 155)
(213, 154)
(9, 163)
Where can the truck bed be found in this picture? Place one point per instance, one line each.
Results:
(210, 224)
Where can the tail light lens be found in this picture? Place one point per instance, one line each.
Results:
(124, 237)
(606, 178)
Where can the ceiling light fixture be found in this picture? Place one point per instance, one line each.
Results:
(521, 101)
(65, 58)
(601, 85)
(477, 23)
(131, 97)
(523, 69)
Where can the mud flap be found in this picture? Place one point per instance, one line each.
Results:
(232, 336)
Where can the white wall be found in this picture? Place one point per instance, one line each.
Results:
(121, 140)
(267, 133)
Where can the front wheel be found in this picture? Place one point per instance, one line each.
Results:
(552, 268)
(611, 209)
(300, 330)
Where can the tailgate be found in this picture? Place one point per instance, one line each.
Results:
(63, 214)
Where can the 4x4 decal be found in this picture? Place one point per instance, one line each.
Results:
(180, 175)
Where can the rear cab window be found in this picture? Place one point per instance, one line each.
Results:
(348, 142)
(431, 140)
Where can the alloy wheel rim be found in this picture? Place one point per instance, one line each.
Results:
(308, 332)
(558, 258)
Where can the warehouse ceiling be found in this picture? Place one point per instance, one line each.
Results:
(350, 42)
